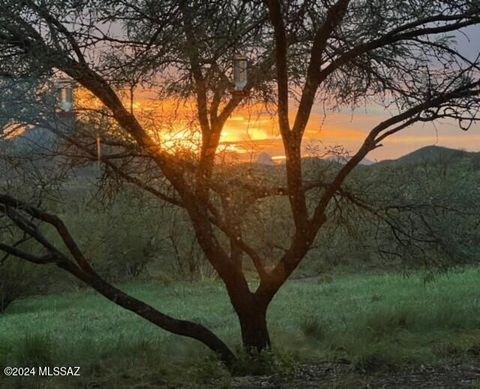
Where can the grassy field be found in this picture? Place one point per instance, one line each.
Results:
(373, 321)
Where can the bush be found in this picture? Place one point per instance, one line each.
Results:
(16, 281)
(35, 350)
(132, 237)
(312, 327)
(383, 323)
(116, 236)
(262, 363)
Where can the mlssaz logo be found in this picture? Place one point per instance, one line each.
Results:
(59, 371)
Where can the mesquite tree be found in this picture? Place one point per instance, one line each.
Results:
(400, 55)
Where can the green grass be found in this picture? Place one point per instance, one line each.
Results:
(374, 321)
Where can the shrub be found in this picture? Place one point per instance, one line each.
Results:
(35, 350)
(312, 327)
(16, 281)
(116, 236)
(383, 323)
(261, 363)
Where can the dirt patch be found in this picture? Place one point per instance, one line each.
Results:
(344, 376)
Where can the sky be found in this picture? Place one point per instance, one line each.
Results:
(251, 132)
(348, 129)
(255, 134)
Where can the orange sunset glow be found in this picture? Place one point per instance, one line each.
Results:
(252, 130)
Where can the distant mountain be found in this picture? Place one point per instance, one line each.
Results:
(429, 154)
(367, 162)
(424, 154)
(35, 138)
(343, 160)
(265, 159)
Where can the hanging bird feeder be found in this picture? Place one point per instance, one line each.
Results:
(240, 65)
(65, 95)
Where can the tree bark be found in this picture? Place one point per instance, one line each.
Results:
(253, 324)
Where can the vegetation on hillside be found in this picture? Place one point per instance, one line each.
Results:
(136, 238)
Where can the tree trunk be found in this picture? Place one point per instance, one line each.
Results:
(253, 324)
